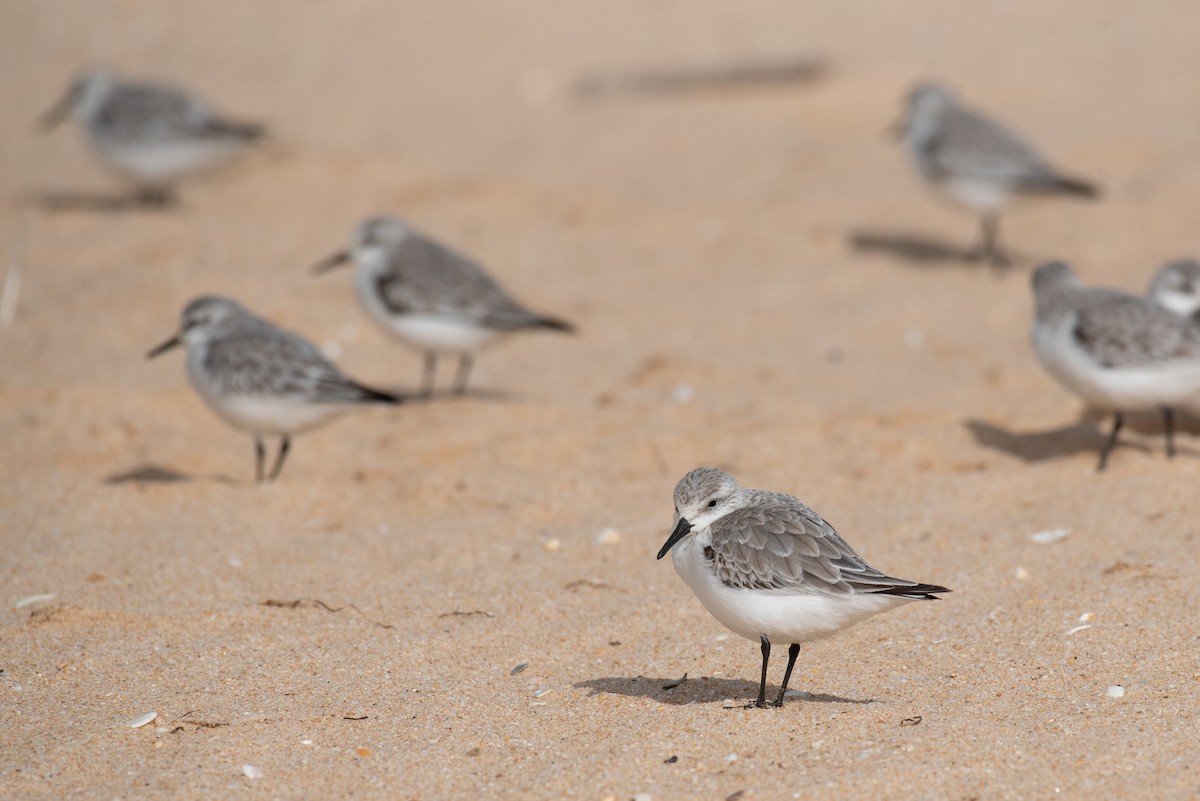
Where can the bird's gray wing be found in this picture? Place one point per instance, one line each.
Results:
(150, 112)
(1126, 331)
(778, 543)
(969, 145)
(264, 360)
(425, 276)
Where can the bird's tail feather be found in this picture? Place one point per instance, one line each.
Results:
(1075, 186)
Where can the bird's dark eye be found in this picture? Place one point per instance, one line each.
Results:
(712, 503)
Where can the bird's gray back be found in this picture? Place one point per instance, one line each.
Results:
(968, 145)
(775, 542)
(424, 276)
(1121, 330)
(253, 357)
(150, 113)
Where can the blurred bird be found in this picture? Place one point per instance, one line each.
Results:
(1119, 352)
(431, 297)
(976, 161)
(151, 133)
(1176, 286)
(772, 570)
(262, 379)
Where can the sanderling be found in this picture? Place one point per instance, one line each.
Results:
(260, 378)
(976, 161)
(1176, 286)
(1119, 352)
(772, 570)
(152, 133)
(431, 297)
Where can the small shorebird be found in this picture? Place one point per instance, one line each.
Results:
(262, 379)
(431, 297)
(1119, 352)
(151, 133)
(772, 570)
(977, 162)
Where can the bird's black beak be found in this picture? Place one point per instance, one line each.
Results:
(55, 115)
(682, 529)
(336, 260)
(164, 347)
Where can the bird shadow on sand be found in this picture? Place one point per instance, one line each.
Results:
(1086, 435)
(916, 249)
(699, 690)
(145, 474)
(103, 202)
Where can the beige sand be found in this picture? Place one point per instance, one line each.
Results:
(699, 240)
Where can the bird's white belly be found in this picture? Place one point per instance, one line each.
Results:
(425, 331)
(982, 196)
(1126, 389)
(441, 333)
(783, 618)
(165, 162)
(261, 414)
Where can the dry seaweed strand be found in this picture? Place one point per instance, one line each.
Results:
(462, 613)
(326, 607)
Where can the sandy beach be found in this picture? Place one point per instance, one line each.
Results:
(760, 282)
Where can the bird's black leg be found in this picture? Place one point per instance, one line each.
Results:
(761, 703)
(428, 373)
(464, 368)
(1118, 421)
(285, 444)
(793, 652)
(156, 197)
(989, 248)
(260, 458)
(1169, 427)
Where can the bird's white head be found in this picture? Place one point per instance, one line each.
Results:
(1052, 284)
(1176, 286)
(380, 232)
(371, 245)
(84, 98)
(923, 110)
(702, 496)
(201, 319)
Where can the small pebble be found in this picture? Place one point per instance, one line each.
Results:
(552, 545)
(731, 758)
(251, 772)
(1086, 616)
(142, 719)
(1078, 629)
(540, 691)
(1021, 574)
(609, 536)
(1047, 537)
(1115, 691)
(518, 668)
